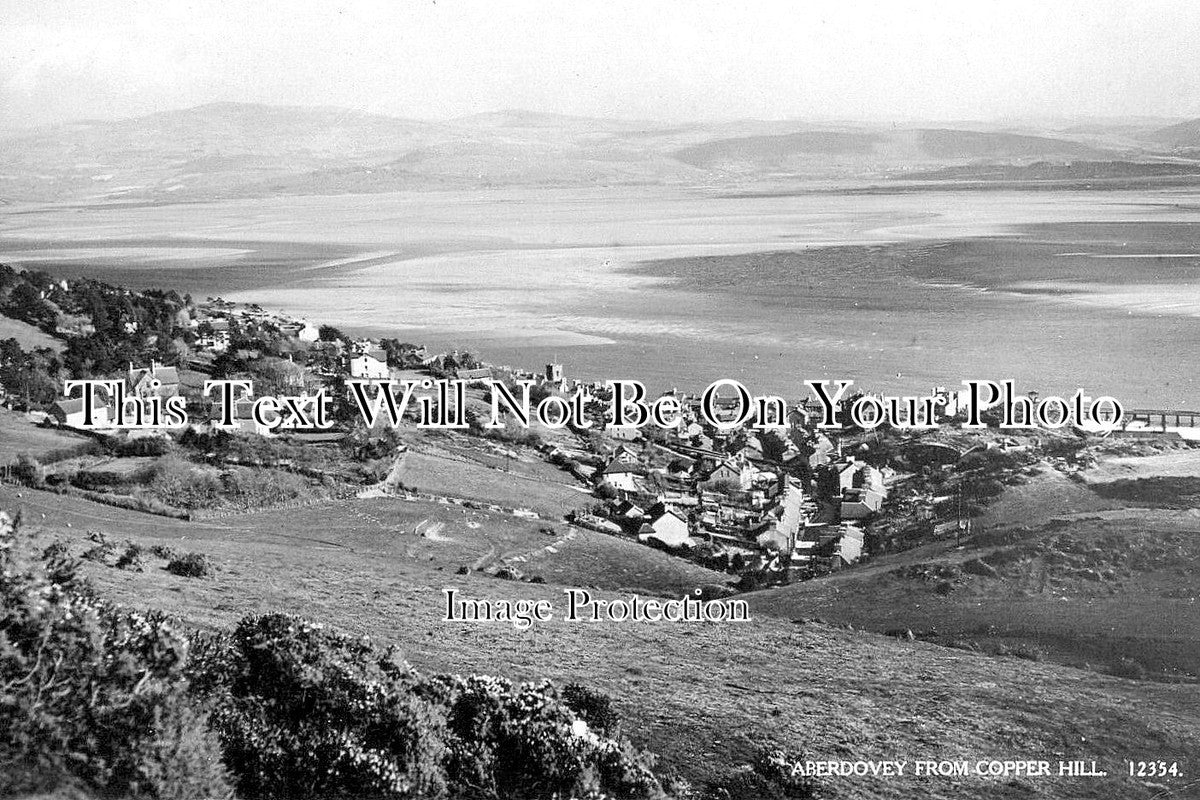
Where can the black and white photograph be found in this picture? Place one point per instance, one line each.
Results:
(530, 400)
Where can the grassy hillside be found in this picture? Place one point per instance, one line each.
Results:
(957, 144)
(26, 335)
(763, 152)
(703, 696)
(18, 436)
(1182, 135)
(1096, 570)
(1112, 592)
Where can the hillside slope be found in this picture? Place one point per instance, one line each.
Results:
(1097, 569)
(1182, 135)
(704, 696)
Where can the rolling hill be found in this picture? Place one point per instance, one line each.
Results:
(773, 152)
(1181, 136)
(246, 150)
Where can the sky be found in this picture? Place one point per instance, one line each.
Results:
(670, 61)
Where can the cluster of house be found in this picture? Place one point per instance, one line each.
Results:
(800, 509)
(212, 324)
(154, 380)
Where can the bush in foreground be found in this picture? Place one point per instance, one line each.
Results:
(91, 692)
(768, 777)
(306, 712)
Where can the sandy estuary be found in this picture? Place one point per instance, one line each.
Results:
(900, 291)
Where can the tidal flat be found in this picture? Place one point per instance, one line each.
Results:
(1057, 290)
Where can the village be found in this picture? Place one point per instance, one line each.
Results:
(767, 504)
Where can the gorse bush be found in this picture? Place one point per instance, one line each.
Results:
(191, 565)
(29, 471)
(256, 488)
(594, 708)
(91, 692)
(305, 712)
(769, 776)
(180, 484)
(524, 742)
(131, 557)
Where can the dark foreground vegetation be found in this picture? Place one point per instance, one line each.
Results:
(119, 703)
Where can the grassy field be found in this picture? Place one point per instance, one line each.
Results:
(1159, 480)
(18, 435)
(600, 560)
(1045, 495)
(26, 335)
(702, 695)
(511, 485)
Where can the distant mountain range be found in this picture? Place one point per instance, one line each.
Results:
(1185, 135)
(247, 150)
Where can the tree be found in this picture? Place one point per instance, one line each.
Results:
(33, 377)
(774, 447)
(605, 491)
(26, 303)
(277, 376)
(328, 333)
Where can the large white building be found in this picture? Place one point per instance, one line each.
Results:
(370, 365)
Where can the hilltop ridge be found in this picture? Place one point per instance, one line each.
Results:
(236, 149)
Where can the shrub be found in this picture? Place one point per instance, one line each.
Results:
(191, 565)
(1129, 668)
(131, 557)
(181, 484)
(255, 488)
(594, 708)
(1028, 652)
(28, 471)
(90, 692)
(768, 777)
(99, 552)
(163, 551)
(308, 713)
(523, 742)
(605, 491)
(124, 704)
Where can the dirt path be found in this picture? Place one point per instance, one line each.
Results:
(538, 552)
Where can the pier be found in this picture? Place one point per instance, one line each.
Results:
(1157, 419)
